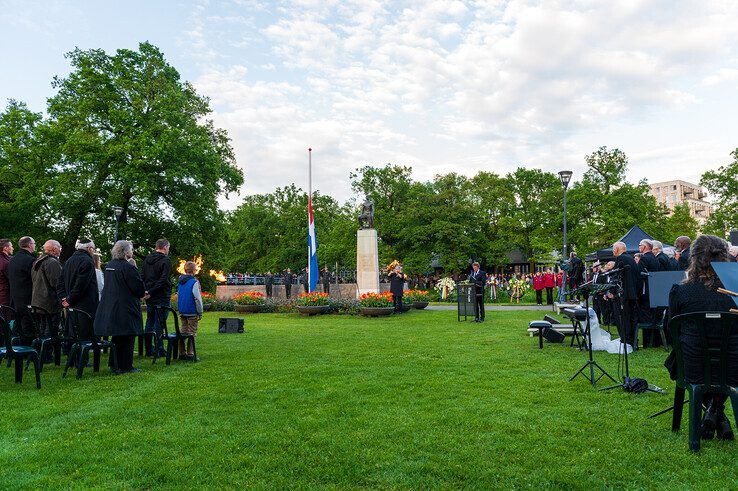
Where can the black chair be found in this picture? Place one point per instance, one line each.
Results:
(6, 312)
(19, 354)
(175, 337)
(715, 366)
(84, 342)
(651, 326)
(46, 326)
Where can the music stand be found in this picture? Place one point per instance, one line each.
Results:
(588, 289)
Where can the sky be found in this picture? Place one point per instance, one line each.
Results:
(438, 85)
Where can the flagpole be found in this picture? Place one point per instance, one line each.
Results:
(310, 198)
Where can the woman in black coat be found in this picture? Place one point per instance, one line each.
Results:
(397, 286)
(119, 312)
(699, 293)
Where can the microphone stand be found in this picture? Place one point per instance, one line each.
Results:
(586, 289)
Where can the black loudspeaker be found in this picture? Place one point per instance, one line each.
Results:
(230, 325)
(551, 319)
(553, 336)
(734, 237)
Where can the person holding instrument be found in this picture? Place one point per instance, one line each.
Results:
(478, 277)
(699, 293)
(397, 286)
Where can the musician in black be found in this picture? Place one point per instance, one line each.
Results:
(626, 303)
(397, 287)
(647, 263)
(479, 279)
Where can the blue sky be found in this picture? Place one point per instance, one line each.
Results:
(440, 85)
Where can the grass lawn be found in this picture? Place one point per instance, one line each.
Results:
(414, 401)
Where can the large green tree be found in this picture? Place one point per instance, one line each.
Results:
(723, 186)
(125, 130)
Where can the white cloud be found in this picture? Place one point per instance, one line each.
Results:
(452, 85)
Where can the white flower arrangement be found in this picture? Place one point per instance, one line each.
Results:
(445, 286)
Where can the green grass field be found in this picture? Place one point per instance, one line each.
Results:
(415, 401)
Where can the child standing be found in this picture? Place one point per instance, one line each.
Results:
(189, 304)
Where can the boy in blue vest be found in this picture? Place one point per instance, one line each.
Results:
(189, 304)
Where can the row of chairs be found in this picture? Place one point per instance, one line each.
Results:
(81, 342)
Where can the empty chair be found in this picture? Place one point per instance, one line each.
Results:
(19, 354)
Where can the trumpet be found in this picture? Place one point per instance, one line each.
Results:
(391, 266)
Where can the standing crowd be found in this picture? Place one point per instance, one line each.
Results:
(38, 291)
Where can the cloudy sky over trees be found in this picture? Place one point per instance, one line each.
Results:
(438, 85)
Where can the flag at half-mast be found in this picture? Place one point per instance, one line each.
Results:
(312, 241)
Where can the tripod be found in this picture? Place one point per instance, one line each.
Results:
(587, 289)
(627, 383)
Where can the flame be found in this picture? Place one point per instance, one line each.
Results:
(218, 275)
(198, 265)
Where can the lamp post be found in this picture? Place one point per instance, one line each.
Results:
(118, 212)
(565, 177)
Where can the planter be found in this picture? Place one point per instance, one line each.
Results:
(248, 309)
(419, 305)
(313, 309)
(376, 311)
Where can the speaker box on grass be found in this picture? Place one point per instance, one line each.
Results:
(230, 325)
(553, 336)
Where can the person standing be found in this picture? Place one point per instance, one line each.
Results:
(658, 251)
(682, 244)
(269, 283)
(6, 251)
(549, 282)
(189, 305)
(21, 288)
(477, 277)
(288, 279)
(626, 305)
(97, 259)
(119, 313)
(397, 287)
(305, 279)
(156, 270)
(326, 277)
(576, 272)
(78, 285)
(46, 273)
(538, 286)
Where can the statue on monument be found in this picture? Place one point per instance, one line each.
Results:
(366, 217)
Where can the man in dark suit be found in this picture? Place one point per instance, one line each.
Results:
(663, 259)
(78, 284)
(682, 245)
(21, 288)
(268, 283)
(626, 305)
(576, 271)
(647, 263)
(288, 279)
(326, 277)
(479, 279)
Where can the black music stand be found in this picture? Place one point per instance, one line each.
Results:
(588, 289)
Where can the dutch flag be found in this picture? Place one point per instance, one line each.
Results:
(312, 248)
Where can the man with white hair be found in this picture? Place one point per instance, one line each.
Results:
(78, 286)
(45, 274)
(658, 251)
(733, 253)
(626, 305)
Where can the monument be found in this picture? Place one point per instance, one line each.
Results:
(367, 252)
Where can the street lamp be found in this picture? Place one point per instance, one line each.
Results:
(565, 177)
(118, 212)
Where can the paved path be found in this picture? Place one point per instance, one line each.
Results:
(490, 308)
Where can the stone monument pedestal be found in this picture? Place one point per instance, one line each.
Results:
(367, 262)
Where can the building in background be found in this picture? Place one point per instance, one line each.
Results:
(673, 193)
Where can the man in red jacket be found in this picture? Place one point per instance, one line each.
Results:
(538, 286)
(549, 282)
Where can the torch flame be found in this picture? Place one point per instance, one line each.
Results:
(218, 275)
(198, 265)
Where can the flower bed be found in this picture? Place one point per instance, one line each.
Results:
(376, 304)
(249, 302)
(418, 299)
(314, 299)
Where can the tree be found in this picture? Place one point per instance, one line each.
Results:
(723, 185)
(680, 222)
(131, 133)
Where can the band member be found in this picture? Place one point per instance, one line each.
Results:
(478, 277)
(397, 286)
(682, 245)
(626, 304)
(576, 273)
